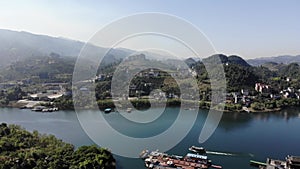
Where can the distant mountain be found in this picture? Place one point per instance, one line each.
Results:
(292, 70)
(190, 61)
(273, 66)
(19, 45)
(285, 59)
(233, 59)
(157, 55)
(16, 46)
(49, 67)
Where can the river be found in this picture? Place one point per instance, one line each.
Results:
(240, 136)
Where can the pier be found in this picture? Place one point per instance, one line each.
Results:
(159, 160)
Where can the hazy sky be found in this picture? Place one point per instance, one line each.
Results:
(250, 29)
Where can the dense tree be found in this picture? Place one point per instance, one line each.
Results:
(258, 106)
(87, 157)
(15, 93)
(20, 149)
(239, 77)
(292, 70)
(64, 103)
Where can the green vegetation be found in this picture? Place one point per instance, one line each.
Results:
(275, 104)
(103, 104)
(20, 149)
(10, 94)
(239, 77)
(233, 107)
(30, 74)
(258, 106)
(64, 103)
(40, 69)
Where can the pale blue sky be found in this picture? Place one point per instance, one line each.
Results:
(251, 29)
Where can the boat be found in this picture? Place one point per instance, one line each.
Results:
(55, 108)
(38, 108)
(198, 150)
(257, 163)
(144, 154)
(156, 159)
(47, 110)
(246, 109)
(107, 110)
(44, 109)
(293, 161)
(290, 162)
(128, 110)
(216, 166)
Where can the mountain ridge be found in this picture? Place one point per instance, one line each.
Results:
(16, 45)
(285, 59)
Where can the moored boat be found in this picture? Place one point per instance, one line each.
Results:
(216, 166)
(156, 159)
(107, 110)
(198, 150)
(38, 108)
(290, 162)
(128, 110)
(44, 109)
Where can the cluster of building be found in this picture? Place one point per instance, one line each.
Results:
(51, 91)
(289, 92)
(239, 97)
(245, 96)
(262, 88)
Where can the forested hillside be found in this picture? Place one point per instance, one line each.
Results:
(20, 149)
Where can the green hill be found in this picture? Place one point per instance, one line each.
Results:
(48, 68)
(20, 149)
(233, 59)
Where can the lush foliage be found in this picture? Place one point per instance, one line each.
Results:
(40, 69)
(64, 103)
(12, 93)
(273, 104)
(20, 149)
(239, 75)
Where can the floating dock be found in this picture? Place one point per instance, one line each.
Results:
(290, 162)
(159, 160)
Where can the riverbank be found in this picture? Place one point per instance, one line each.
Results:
(142, 104)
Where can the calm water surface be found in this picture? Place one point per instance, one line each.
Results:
(241, 136)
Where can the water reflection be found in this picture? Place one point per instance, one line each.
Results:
(286, 114)
(232, 121)
(142, 130)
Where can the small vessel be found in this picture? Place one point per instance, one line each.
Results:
(257, 164)
(55, 108)
(44, 109)
(246, 109)
(216, 166)
(107, 110)
(38, 108)
(128, 110)
(198, 150)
